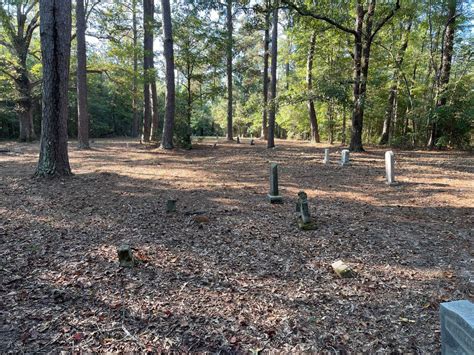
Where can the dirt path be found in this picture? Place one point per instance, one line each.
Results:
(249, 279)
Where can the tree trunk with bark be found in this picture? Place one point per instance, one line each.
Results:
(445, 70)
(81, 75)
(392, 97)
(230, 136)
(273, 84)
(135, 120)
(266, 56)
(168, 126)
(155, 118)
(148, 73)
(309, 80)
(55, 32)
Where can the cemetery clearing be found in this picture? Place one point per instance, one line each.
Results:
(229, 271)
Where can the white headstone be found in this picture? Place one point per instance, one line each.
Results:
(457, 327)
(390, 167)
(345, 157)
(326, 156)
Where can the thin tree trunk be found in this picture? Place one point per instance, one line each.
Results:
(168, 125)
(82, 114)
(135, 122)
(446, 58)
(229, 71)
(155, 118)
(344, 120)
(309, 80)
(392, 98)
(273, 84)
(55, 31)
(148, 10)
(266, 55)
(24, 106)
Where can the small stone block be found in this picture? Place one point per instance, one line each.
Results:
(125, 256)
(457, 327)
(171, 206)
(275, 199)
(342, 270)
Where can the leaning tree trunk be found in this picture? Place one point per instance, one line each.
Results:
(230, 136)
(55, 33)
(135, 121)
(82, 115)
(445, 71)
(148, 9)
(168, 126)
(273, 84)
(266, 55)
(309, 80)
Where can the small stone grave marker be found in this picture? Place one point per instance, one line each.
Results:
(457, 327)
(305, 222)
(125, 256)
(390, 167)
(170, 206)
(326, 156)
(252, 142)
(345, 157)
(238, 140)
(274, 195)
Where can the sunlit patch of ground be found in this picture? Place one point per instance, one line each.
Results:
(246, 279)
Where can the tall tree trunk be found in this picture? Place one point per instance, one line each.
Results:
(135, 121)
(273, 84)
(266, 55)
(229, 71)
(445, 72)
(148, 10)
(168, 126)
(82, 114)
(309, 80)
(55, 32)
(357, 113)
(344, 120)
(392, 97)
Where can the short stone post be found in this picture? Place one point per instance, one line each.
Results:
(326, 156)
(274, 196)
(345, 157)
(125, 256)
(457, 327)
(170, 206)
(305, 221)
(390, 167)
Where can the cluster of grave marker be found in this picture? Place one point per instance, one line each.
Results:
(305, 222)
(457, 317)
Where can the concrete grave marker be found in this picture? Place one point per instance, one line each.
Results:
(345, 157)
(326, 156)
(305, 222)
(457, 327)
(390, 167)
(274, 196)
(125, 256)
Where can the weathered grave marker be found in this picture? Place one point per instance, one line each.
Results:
(125, 256)
(238, 140)
(252, 142)
(345, 157)
(305, 222)
(274, 196)
(390, 167)
(326, 156)
(457, 327)
(342, 270)
(171, 206)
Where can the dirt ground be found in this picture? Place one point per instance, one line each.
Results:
(244, 278)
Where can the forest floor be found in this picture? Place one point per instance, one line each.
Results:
(241, 277)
